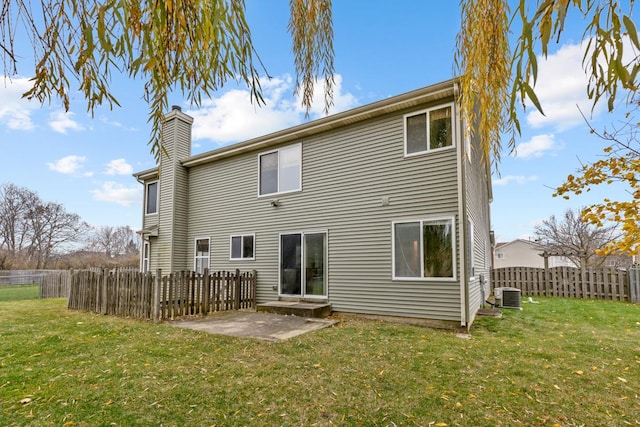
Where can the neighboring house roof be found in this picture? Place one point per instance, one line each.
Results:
(535, 245)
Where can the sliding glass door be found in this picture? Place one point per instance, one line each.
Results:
(303, 258)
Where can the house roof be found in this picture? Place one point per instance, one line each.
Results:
(146, 174)
(446, 89)
(536, 245)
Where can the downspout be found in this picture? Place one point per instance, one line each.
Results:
(462, 213)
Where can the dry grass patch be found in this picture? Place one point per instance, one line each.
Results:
(565, 362)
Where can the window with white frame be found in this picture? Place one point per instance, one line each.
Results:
(428, 130)
(280, 171)
(424, 249)
(151, 198)
(500, 255)
(144, 259)
(242, 247)
(201, 255)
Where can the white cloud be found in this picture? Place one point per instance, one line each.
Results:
(117, 193)
(118, 167)
(561, 89)
(536, 147)
(15, 111)
(518, 179)
(232, 117)
(61, 122)
(68, 164)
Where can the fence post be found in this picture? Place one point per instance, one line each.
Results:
(102, 288)
(206, 292)
(254, 288)
(156, 295)
(634, 285)
(238, 287)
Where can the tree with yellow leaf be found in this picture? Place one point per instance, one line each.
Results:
(620, 165)
(197, 46)
(496, 82)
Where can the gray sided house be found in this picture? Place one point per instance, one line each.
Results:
(380, 210)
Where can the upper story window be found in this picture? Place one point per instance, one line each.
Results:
(428, 130)
(151, 201)
(424, 249)
(281, 170)
(242, 247)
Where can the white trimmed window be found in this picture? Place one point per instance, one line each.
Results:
(242, 247)
(144, 259)
(201, 255)
(280, 171)
(151, 198)
(424, 249)
(428, 130)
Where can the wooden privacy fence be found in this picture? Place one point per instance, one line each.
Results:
(567, 282)
(156, 297)
(55, 284)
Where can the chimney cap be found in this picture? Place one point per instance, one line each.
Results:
(176, 107)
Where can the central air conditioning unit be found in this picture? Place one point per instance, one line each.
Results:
(507, 298)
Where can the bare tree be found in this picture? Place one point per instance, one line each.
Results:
(15, 203)
(52, 227)
(570, 236)
(114, 241)
(31, 231)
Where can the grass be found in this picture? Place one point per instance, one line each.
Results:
(18, 292)
(560, 362)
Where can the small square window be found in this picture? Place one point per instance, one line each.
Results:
(429, 130)
(424, 249)
(281, 170)
(242, 247)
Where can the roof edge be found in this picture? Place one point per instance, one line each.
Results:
(146, 174)
(408, 99)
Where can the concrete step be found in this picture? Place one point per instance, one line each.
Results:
(295, 308)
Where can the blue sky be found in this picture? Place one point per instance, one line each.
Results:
(382, 49)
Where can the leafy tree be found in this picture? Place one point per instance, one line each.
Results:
(492, 95)
(572, 237)
(198, 46)
(489, 70)
(195, 46)
(620, 164)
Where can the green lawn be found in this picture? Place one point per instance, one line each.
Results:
(18, 292)
(559, 362)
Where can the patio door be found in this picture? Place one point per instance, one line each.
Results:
(303, 262)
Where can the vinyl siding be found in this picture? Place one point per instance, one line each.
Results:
(345, 174)
(477, 209)
(170, 247)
